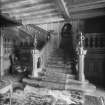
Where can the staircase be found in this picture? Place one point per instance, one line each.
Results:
(57, 69)
(59, 75)
(57, 72)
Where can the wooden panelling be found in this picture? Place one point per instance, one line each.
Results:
(95, 58)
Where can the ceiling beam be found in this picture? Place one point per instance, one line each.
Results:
(42, 21)
(62, 7)
(85, 15)
(83, 2)
(34, 13)
(14, 2)
(24, 5)
(65, 8)
(77, 8)
(30, 9)
(44, 15)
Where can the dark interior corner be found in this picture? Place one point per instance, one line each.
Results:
(95, 25)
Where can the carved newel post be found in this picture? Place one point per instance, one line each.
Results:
(35, 54)
(81, 55)
(36, 58)
(1, 55)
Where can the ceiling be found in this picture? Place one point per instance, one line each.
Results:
(5, 22)
(46, 11)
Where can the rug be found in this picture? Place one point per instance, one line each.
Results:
(42, 96)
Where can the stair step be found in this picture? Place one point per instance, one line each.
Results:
(45, 84)
(80, 86)
(55, 65)
(53, 85)
(75, 82)
(53, 78)
(56, 57)
(68, 71)
(52, 73)
(70, 77)
(58, 70)
(58, 52)
(57, 77)
(55, 62)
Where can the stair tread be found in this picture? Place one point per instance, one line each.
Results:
(57, 69)
(60, 71)
(43, 83)
(55, 63)
(55, 66)
(55, 59)
(81, 86)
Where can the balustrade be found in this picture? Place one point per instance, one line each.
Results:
(95, 40)
(95, 58)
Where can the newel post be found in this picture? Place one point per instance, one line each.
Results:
(81, 56)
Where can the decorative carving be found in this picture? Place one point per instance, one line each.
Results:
(81, 54)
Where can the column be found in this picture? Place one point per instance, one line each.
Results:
(1, 54)
(81, 68)
(35, 71)
(81, 53)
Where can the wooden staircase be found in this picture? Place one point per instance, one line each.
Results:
(57, 68)
(56, 72)
(58, 75)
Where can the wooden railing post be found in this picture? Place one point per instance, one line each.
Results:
(81, 54)
(1, 54)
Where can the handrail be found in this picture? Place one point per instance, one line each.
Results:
(95, 40)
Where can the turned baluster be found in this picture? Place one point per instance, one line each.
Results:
(102, 40)
(93, 41)
(98, 41)
(87, 41)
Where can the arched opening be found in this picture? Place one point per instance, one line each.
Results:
(67, 40)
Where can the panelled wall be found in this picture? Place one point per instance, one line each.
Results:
(6, 49)
(94, 31)
(95, 58)
(95, 45)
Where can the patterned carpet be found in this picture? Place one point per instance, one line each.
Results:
(37, 96)
(92, 100)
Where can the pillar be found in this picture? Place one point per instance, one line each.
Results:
(81, 54)
(81, 68)
(1, 54)
(35, 54)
